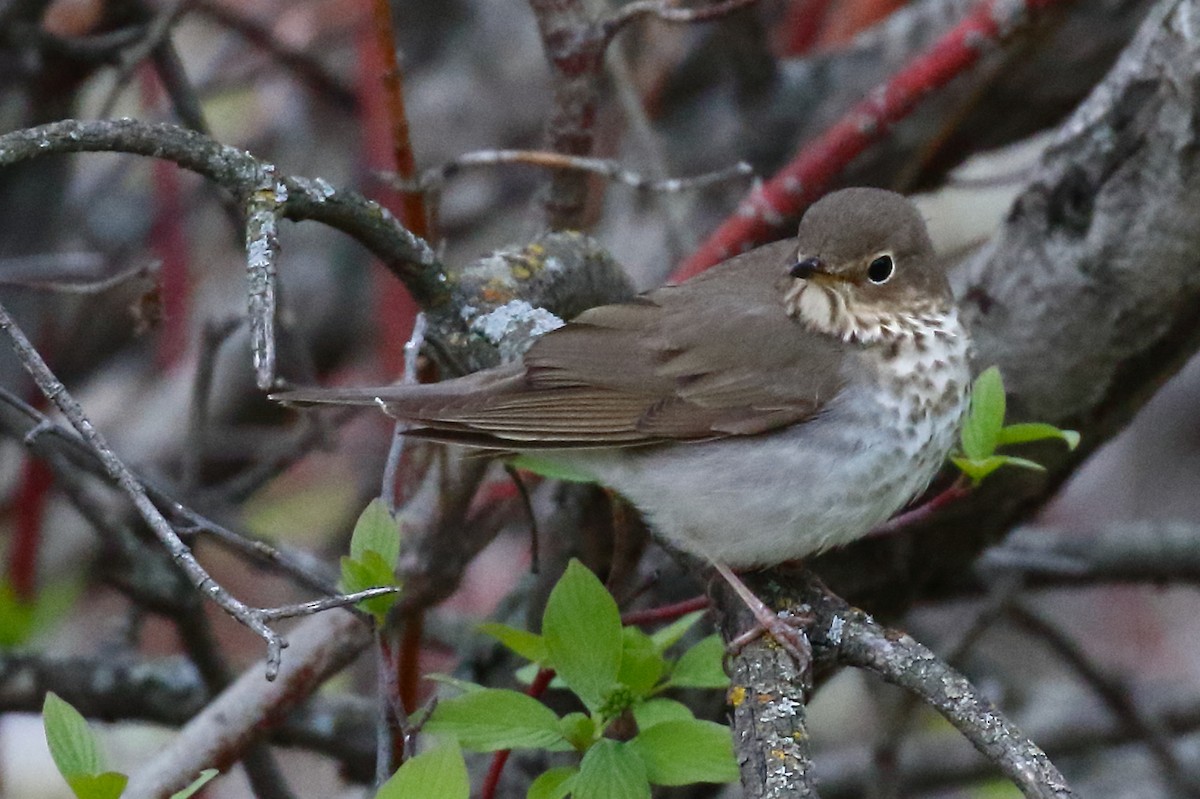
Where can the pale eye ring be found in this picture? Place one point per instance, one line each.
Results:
(881, 269)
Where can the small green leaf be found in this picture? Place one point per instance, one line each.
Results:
(553, 784)
(496, 718)
(669, 635)
(683, 752)
(16, 617)
(198, 783)
(702, 666)
(71, 742)
(376, 531)
(655, 711)
(579, 729)
(440, 773)
(609, 770)
(981, 428)
(466, 686)
(526, 644)
(551, 469)
(109, 785)
(1023, 463)
(641, 663)
(369, 572)
(977, 470)
(582, 631)
(1036, 431)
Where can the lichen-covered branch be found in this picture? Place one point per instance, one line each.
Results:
(846, 636)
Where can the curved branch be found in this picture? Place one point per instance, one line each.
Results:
(242, 174)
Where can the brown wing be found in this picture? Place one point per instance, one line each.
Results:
(714, 357)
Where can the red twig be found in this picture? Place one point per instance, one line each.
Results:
(957, 490)
(30, 512)
(538, 687)
(387, 147)
(408, 666)
(169, 243)
(802, 26)
(666, 612)
(853, 16)
(805, 178)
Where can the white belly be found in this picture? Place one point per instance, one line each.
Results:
(765, 499)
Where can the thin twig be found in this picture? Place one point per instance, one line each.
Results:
(263, 209)
(303, 65)
(412, 352)
(68, 273)
(157, 32)
(413, 213)
(433, 179)
(669, 11)
(327, 603)
(956, 491)
(1112, 692)
(57, 393)
(857, 640)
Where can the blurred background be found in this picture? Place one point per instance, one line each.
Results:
(129, 275)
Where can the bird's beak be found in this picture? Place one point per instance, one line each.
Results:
(806, 268)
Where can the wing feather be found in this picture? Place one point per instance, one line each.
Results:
(643, 372)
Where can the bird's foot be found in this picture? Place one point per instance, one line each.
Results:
(787, 630)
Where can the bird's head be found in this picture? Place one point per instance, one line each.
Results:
(864, 267)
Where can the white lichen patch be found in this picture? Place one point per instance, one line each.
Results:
(513, 326)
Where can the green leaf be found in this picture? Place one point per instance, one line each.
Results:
(1036, 431)
(439, 773)
(466, 686)
(526, 644)
(376, 531)
(551, 469)
(1023, 463)
(655, 711)
(369, 572)
(496, 718)
(611, 771)
(641, 663)
(674, 631)
(977, 470)
(582, 631)
(198, 783)
(16, 617)
(71, 742)
(553, 784)
(683, 752)
(981, 429)
(109, 785)
(702, 666)
(579, 729)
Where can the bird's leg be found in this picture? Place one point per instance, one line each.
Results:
(787, 631)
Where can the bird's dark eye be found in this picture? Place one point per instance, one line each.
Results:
(880, 270)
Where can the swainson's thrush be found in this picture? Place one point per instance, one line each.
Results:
(787, 400)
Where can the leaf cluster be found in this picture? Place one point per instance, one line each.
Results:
(374, 552)
(983, 431)
(77, 755)
(619, 675)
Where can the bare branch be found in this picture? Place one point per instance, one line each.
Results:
(844, 635)
(433, 179)
(249, 708)
(669, 11)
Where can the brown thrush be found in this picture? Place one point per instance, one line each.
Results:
(787, 400)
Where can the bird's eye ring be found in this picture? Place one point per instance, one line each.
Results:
(881, 269)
